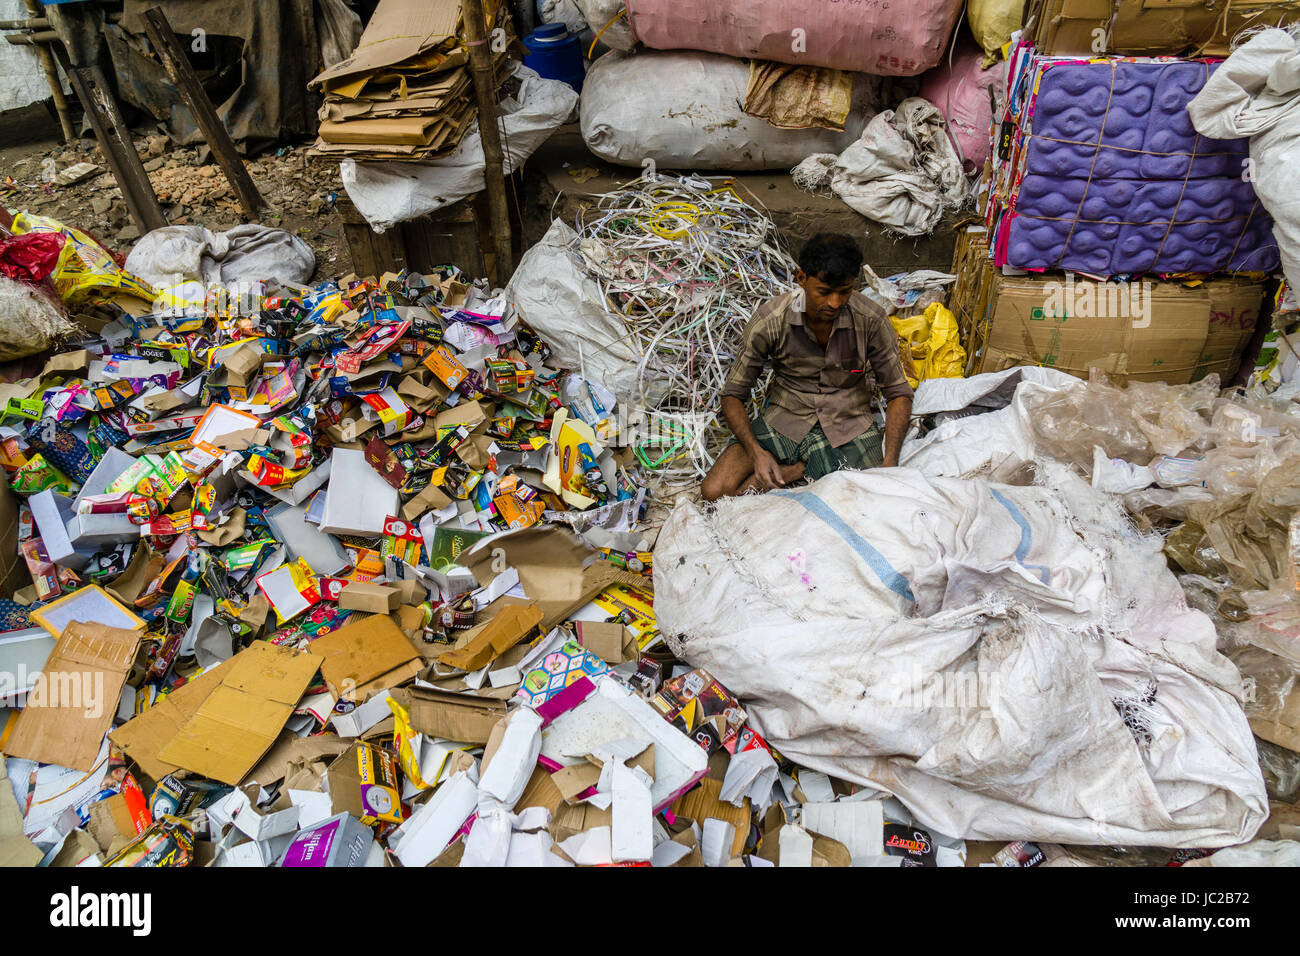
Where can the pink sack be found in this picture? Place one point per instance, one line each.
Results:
(888, 38)
(961, 92)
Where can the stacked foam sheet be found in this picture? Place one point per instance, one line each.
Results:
(1099, 171)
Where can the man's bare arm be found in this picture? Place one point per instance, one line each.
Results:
(766, 467)
(897, 414)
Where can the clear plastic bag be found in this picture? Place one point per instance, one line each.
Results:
(1268, 680)
(1281, 769)
(1274, 623)
(1070, 423)
(1174, 418)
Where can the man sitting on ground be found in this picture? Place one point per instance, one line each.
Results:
(829, 348)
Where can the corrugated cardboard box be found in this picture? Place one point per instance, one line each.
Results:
(366, 596)
(1151, 27)
(365, 657)
(1157, 331)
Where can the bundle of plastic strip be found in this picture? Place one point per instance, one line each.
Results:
(684, 261)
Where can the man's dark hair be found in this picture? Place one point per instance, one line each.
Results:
(832, 257)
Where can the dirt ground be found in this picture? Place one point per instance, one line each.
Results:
(190, 187)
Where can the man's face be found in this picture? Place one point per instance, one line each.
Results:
(824, 301)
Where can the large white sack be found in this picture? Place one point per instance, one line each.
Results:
(683, 111)
(984, 425)
(567, 12)
(247, 253)
(969, 647)
(552, 292)
(1256, 93)
(1255, 853)
(389, 193)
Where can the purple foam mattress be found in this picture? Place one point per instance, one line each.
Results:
(1116, 180)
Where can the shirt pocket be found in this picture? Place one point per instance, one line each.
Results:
(840, 377)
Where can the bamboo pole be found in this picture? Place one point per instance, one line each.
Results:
(480, 63)
(52, 78)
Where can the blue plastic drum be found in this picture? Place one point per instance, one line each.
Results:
(555, 54)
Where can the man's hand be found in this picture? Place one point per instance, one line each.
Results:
(897, 415)
(767, 470)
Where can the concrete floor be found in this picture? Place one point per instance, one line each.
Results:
(552, 190)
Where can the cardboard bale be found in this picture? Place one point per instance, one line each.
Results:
(1149, 27)
(1186, 333)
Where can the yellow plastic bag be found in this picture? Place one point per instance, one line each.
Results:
(85, 269)
(992, 22)
(930, 345)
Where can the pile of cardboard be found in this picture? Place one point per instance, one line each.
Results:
(406, 92)
(1090, 27)
(1143, 330)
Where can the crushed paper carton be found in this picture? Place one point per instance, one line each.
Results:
(449, 716)
(558, 670)
(374, 598)
(238, 721)
(365, 657)
(340, 841)
(612, 643)
(74, 700)
(702, 708)
(494, 638)
(613, 713)
(364, 782)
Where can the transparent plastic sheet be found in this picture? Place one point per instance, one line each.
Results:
(1068, 424)
(1268, 679)
(1242, 439)
(1207, 595)
(1281, 769)
(1174, 418)
(1119, 855)
(1246, 537)
(1274, 623)
(1165, 504)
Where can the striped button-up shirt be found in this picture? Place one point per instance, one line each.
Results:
(811, 385)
